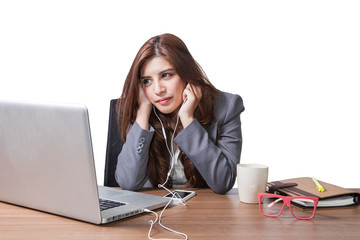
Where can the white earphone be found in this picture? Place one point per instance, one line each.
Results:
(174, 195)
(171, 149)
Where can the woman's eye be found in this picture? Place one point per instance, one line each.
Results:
(146, 81)
(166, 75)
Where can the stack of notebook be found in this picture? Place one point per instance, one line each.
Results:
(332, 196)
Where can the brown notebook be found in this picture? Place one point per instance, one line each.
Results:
(333, 196)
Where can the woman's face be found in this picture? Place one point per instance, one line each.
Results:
(162, 85)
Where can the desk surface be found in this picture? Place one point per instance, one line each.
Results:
(206, 216)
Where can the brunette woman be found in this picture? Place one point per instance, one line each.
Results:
(177, 128)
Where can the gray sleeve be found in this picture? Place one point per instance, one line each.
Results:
(215, 162)
(132, 161)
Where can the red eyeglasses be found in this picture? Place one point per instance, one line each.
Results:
(301, 207)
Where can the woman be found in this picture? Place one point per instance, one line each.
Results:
(177, 128)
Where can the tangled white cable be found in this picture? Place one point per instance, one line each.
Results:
(174, 195)
(159, 218)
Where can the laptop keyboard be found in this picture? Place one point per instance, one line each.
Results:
(107, 204)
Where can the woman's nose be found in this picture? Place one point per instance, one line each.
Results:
(159, 88)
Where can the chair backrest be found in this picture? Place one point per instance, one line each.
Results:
(113, 148)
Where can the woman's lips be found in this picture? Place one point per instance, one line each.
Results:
(163, 100)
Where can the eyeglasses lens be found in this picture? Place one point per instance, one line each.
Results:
(271, 205)
(302, 208)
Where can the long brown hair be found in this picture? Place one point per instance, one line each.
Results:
(174, 50)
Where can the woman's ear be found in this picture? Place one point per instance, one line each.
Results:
(184, 94)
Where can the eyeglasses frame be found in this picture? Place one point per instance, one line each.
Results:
(287, 201)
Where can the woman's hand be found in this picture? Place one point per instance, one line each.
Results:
(144, 110)
(191, 98)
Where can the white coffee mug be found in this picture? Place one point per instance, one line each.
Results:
(251, 179)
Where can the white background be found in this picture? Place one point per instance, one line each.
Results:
(295, 63)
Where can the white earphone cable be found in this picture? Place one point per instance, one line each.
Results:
(174, 195)
(159, 218)
(172, 154)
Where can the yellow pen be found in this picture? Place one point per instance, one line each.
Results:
(318, 185)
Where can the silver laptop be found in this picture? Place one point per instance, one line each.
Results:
(47, 163)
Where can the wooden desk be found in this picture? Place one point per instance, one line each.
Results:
(206, 216)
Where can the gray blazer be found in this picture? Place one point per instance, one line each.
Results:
(214, 153)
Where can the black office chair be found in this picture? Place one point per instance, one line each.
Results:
(113, 148)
